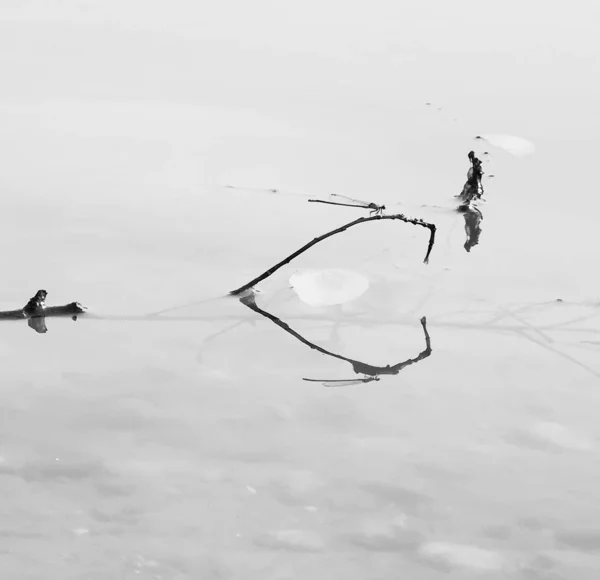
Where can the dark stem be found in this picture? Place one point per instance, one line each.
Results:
(362, 220)
(13, 315)
(36, 308)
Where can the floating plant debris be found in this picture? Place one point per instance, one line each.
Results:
(471, 192)
(35, 311)
(473, 188)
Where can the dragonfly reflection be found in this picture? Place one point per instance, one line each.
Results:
(342, 382)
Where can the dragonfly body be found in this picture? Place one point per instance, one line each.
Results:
(337, 199)
(333, 199)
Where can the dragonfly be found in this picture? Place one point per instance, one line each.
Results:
(333, 199)
(343, 200)
(342, 382)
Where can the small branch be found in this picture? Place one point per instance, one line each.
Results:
(36, 308)
(362, 220)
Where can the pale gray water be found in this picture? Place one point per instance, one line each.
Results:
(179, 449)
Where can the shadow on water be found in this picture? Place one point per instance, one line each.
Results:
(371, 372)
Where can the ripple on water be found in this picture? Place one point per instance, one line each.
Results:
(296, 487)
(386, 539)
(291, 540)
(581, 539)
(59, 470)
(412, 502)
(549, 435)
(541, 567)
(449, 555)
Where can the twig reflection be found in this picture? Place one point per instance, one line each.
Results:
(359, 367)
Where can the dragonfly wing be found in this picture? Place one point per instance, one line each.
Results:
(269, 191)
(337, 198)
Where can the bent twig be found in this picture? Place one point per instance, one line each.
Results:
(362, 220)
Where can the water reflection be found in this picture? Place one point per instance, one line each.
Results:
(473, 218)
(370, 372)
(342, 382)
(38, 324)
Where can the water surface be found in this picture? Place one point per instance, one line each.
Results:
(189, 446)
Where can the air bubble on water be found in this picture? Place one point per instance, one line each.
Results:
(328, 287)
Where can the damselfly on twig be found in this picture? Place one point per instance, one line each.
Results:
(332, 199)
(337, 199)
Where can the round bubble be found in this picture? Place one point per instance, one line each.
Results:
(328, 287)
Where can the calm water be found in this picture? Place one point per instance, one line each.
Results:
(189, 446)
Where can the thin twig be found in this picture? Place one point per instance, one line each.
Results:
(362, 220)
(36, 308)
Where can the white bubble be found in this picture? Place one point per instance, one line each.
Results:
(328, 287)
